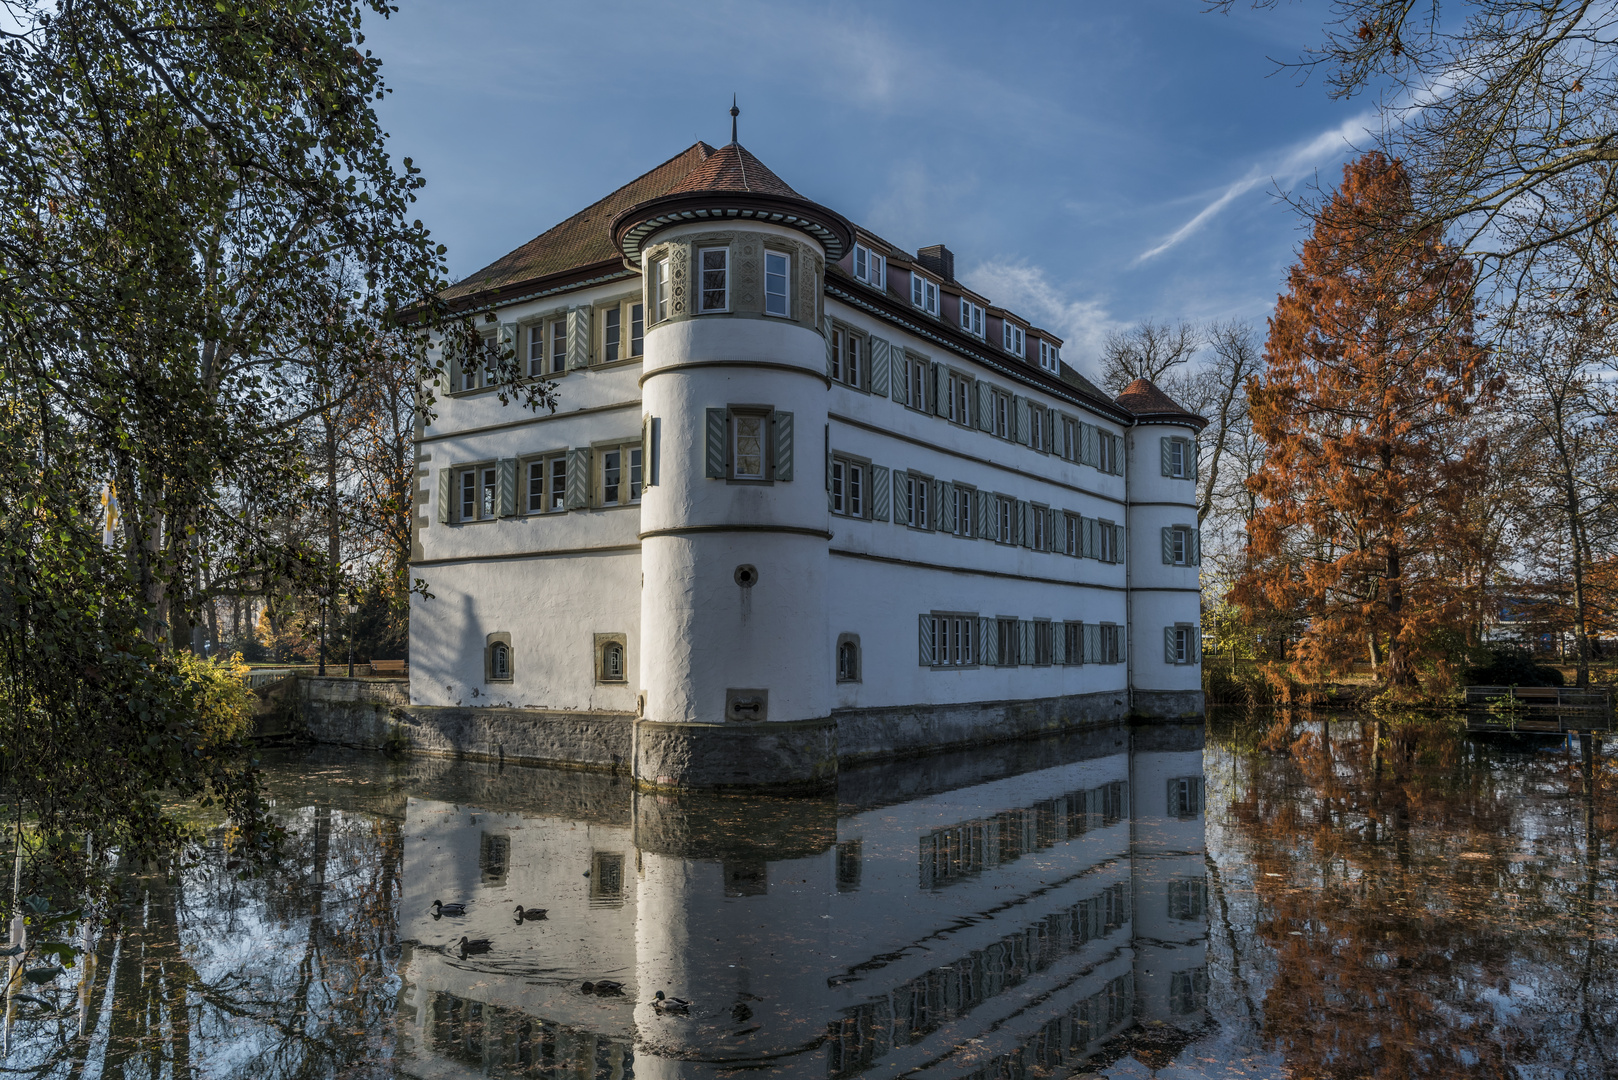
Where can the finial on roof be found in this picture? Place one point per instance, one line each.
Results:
(734, 113)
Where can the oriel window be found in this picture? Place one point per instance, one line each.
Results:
(715, 286)
(777, 273)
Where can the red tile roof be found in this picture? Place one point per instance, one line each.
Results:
(1142, 397)
(586, 237)
(733, 168)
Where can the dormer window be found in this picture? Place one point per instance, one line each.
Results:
(923, 293)
(870, 267)
(1050, 358)
(971, 317)
(1013, 338)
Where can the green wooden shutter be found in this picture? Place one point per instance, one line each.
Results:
(899, 375)
(507, 489)
(1023, 418)
(1025, 641)
(578, 338)
(1050, 430)
(925, 634)
(1123, 638)
(1166, 451)
(446, 483)
(980, 502)
(508, 345)
(828, 466)
(578, 478)
(1168, 644)
(782, 425)
(1092, 643)
(825, 330)
(879, 492)
(946, 506)
(901, 497)
(717, 443)
(1117, 454)
(940, 390)
(1168, 546)
(1058, 642)
(1118, 543)
(1025, 532)
(1196, 548)
(881, 352)
(648, 474)
(985, 396)
(988, 641)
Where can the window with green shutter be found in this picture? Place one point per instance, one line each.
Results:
(446, 484)
(881, 353)
(880, 483)
(508, 487)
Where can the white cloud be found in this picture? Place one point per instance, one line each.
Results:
(1083, 324)
(1292, 164)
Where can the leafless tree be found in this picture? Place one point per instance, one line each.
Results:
(1150, 350)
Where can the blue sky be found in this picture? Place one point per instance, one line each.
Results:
(1089, 163)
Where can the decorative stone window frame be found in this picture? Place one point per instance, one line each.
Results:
(789, 252)
(744, 277)
(603, 643)
(854, 670)
(494, 643)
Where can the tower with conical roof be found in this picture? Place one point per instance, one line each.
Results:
(734, 535)
(1165, 592)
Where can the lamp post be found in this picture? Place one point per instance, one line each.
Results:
(353, 609)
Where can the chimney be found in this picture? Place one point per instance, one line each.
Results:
(939, 259)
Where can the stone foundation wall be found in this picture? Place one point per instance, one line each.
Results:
(375, 714)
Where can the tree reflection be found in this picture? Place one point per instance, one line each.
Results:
(1417, 908)
(288, 975)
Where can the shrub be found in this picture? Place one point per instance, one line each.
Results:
(219, 691)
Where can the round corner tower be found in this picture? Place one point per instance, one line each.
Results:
(1165, 593)
(734, 535)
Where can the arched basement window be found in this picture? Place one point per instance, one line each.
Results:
(848, 658)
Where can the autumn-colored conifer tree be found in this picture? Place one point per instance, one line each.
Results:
(1370, 372)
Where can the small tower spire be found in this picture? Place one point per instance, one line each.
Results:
(734, 113)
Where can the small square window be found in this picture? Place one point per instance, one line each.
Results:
(612, 658)
(714, 289)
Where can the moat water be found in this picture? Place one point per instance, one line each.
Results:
(1280, 898)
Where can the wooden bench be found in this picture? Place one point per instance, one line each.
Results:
(390, 667)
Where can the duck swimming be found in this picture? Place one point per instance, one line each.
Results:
(533, 914)
(475, 945)
(452, 910)
(665, 1004)
(604, 988)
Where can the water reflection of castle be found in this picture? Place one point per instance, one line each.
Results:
(994, 917)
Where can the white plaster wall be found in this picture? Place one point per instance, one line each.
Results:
(882, 603)
(552, 607)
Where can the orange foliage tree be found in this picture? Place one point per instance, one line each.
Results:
(1371, 371)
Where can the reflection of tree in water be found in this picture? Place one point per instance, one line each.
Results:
(1423, 910)
(288, 975)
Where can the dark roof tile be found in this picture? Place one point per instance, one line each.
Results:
(1142, 397)
(586, 237)
(733, 168)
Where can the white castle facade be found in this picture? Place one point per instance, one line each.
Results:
(805, 497)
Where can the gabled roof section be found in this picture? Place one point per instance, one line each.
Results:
(733, 168)
(586, 237)
(1146, 401)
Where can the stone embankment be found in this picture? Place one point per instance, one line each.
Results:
(376, 714)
